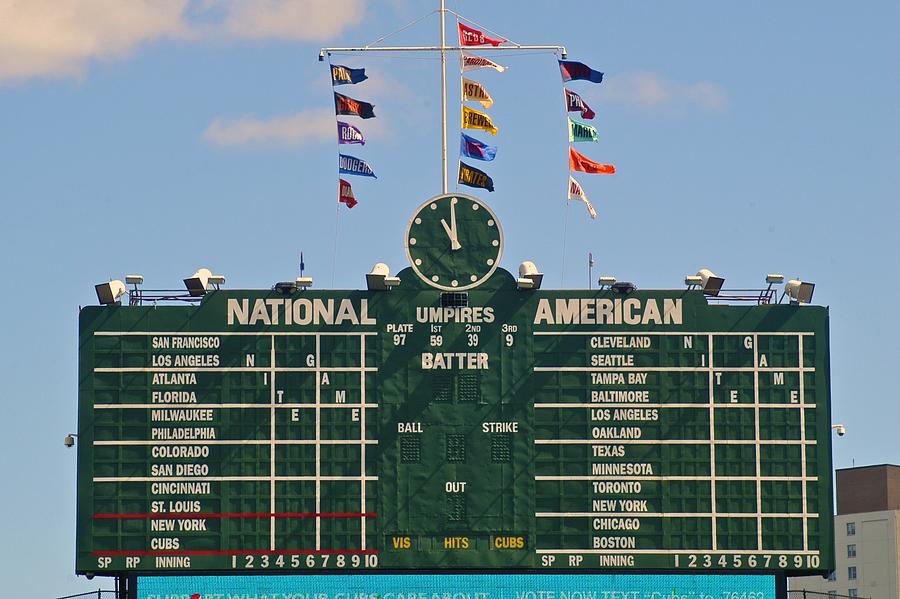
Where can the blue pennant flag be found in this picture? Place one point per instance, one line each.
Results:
(572, 71)
(471, 147)
(348, 134)
(350, 165)
(341, 75)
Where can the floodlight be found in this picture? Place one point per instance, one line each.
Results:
(799, 291)
(380, 279)
(529, 276)
(196, 284)
(774, 279)
(606, 281)
(693, 281)
(217, 280)
(624, 287)
(134, 279)
(710, 282)
(109, 293)
(304, 282)
(285, 287)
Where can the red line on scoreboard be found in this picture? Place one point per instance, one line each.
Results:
(179, 516)
(235, 552)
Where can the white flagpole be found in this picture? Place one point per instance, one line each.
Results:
(444, 96)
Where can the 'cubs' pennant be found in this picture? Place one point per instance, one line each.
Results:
(341, 75)
(472, 119)
(471, 176)
(576, 192)
(579, 162)
(350, 165)
(471, 147)
(345, 194)
(474, 92)
(470, 62)
(347, 105)
(574, 103)
(572, 71)
(579, 131)
(348, 134)
(469, 36)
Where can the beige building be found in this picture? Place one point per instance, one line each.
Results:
(867, 537)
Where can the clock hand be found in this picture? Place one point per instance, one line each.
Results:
(454, 241)
(451, 233)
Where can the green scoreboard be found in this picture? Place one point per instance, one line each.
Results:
(456, 421)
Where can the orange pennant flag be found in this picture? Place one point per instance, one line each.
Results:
(579, 162)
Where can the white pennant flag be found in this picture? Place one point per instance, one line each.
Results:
(470, 62)
(576, 192)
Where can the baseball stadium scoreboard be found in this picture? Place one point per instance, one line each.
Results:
(458, 421)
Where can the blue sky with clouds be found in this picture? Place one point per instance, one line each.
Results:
(157, 136)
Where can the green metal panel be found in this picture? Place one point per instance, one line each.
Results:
(528, 429)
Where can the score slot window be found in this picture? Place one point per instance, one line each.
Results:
(410, 449)
(456, 448)
(501, 452)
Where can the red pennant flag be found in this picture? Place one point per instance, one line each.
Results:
(579, 162)
(469, 36)
(345, 194)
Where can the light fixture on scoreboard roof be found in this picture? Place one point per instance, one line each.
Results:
(380, 279)
(693, 281)
(285, 287)
(606, 281)
(710, 283)
(623, 287)
(110, 292)
(799, 292)
(529, 276)
(304, 282)
(198, 283)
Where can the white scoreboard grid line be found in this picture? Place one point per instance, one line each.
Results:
(270, 372)
(757, 441)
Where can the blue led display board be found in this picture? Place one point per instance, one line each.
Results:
(460, 586)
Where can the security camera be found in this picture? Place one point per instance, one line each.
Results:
(69, 440)
(840, 430)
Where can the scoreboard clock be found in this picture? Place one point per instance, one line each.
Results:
(454, 423)
(454, 242)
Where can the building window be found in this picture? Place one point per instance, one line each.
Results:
(851, 529)
(851, 573)
(851, 593)
(832, 594)
(851, 550)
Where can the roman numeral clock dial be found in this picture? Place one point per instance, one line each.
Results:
(454, 242)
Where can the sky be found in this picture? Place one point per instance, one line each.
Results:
(160, 136)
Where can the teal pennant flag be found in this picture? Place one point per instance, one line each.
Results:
(579, 131)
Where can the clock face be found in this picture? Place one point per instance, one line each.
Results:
(454, 242)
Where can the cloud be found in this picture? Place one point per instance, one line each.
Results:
(301, 128)
(54, 38)
(60, 38)
(289, 19)
(648, 90)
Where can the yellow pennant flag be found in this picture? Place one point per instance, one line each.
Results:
(472, 119)
(475, 92)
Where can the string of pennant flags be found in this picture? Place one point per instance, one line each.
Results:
(472, 91)
(580, 131)
(347, 133)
